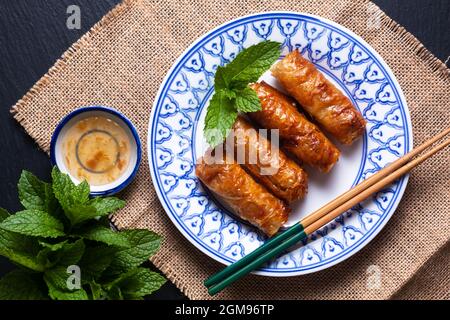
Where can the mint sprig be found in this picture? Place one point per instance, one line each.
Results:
(60, 227)
(232, 94)
(75, 201)
(35, 194)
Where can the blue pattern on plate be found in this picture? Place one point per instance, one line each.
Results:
(343, 57)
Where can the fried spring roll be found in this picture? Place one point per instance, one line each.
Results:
(268, 164)
(319, 97)
(299, 136)
(247, 198)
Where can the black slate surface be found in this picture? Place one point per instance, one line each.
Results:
(33, 35)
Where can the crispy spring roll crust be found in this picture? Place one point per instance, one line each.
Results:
(243, 195)
(319, 97)
(299, 136)
(278, 173)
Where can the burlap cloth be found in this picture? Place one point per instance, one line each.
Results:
(121, 63)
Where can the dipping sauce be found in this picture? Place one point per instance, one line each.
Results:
(96, 149)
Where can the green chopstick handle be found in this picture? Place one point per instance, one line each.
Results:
(257, 262)
(269, 244)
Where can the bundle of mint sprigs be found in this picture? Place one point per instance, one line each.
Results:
(65, 248)
(232, 94)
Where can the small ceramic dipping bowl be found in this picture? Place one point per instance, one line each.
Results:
(97, 144)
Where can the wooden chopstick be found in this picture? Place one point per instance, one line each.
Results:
(371, 180)
(274, 246)
(319, 223)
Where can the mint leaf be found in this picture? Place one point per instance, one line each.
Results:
(95, 260)
(31, 191)
(78, 213)
(219, 79)
(20, 249)
(21, 285)
(141, 283)
(58, 277)
(104, 206)
(138, 282)
(144, 244)
(33, 223)
(46, 256)
(97, 232)
(247, 101)
(57, 294)
(66, 191)
(63, 254)
(3, 214)
(25, 259)
(230, 94)
(115, 294)
(97, 291)
(250, 64)
(35, 194)
(220, 117)
(56, 280)
(70, 253)
(70, 196)
(74, 199)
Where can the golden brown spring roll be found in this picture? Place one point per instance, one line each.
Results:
(319, 97)
(299, 136)
(268, 164)
(247, 198)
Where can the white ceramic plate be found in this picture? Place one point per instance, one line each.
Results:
(175, 140)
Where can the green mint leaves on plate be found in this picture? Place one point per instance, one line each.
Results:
(232, 94)
(61, 227)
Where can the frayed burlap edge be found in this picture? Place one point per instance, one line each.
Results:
(412, 44)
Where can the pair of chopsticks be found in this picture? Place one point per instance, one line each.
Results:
(316, 220)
